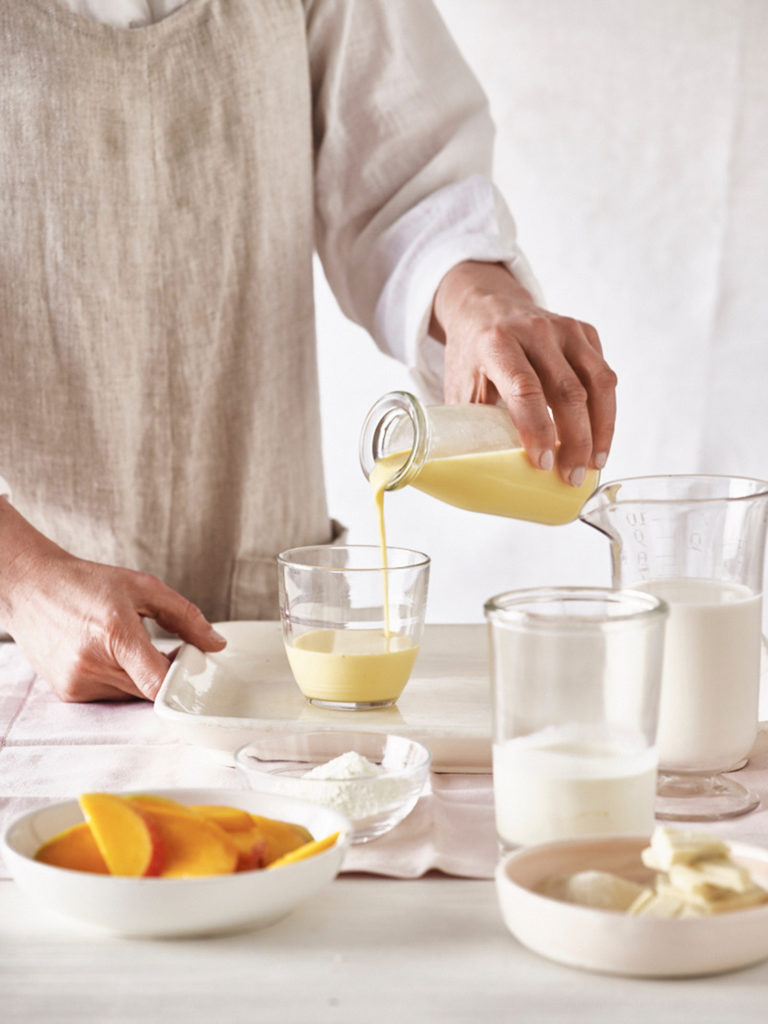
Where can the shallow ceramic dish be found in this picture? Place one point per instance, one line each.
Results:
(373, 804)
(615, 943)
(165, 907)
(223, 700)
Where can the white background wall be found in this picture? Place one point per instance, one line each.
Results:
(632, 148)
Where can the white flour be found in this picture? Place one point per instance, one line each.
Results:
(354, 787)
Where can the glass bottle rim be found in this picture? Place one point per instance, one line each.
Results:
(380, 419)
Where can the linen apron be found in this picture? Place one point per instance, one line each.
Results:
(158, 381)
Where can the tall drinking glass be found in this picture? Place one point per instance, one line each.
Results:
(352, 621)
(575, 675)
(698, 542)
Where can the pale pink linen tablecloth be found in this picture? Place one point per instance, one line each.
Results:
(50, 751)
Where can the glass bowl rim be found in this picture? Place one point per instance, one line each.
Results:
(422, 765)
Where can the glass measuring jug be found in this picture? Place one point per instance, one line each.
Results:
(697, 542)
(465, 455)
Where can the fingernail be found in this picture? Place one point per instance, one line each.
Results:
(577, 476)
(547, 460)
(600, 460)
(215, 635)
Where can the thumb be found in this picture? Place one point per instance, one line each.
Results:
(141, 661)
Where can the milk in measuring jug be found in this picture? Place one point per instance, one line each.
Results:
(711, 674)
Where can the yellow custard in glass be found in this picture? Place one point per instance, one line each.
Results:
(351, 666)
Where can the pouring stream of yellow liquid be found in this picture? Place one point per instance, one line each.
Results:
(381, 475)
(359, 666)
(501, 483)
(356, 667)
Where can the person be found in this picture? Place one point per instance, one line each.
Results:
(169, 167)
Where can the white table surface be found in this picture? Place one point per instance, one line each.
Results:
(365, 949)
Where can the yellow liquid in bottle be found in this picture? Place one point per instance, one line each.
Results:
(500, 483)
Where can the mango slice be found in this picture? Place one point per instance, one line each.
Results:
(257, 840)
(125, 836)
(143, 834)
(231, 819)
(251, 849)
(151, 802)
(279, 837)
(75, 849)
(307, 850)
(193, 847)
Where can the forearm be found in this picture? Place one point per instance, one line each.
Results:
(80, 623)
(22, 550)
(465, 286)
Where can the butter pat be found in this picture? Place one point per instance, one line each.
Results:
(697, 870)
(661, 904)
(599, 889)
(715, 901)
(672, 846)
(707, 877)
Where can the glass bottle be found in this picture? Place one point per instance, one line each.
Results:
(466, 455)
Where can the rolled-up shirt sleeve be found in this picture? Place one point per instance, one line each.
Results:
(403, 152)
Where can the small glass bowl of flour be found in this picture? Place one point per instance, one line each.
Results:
(374, 779)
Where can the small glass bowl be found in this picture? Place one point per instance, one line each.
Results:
(374, 804)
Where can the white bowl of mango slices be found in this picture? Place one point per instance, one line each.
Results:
(175, 862)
